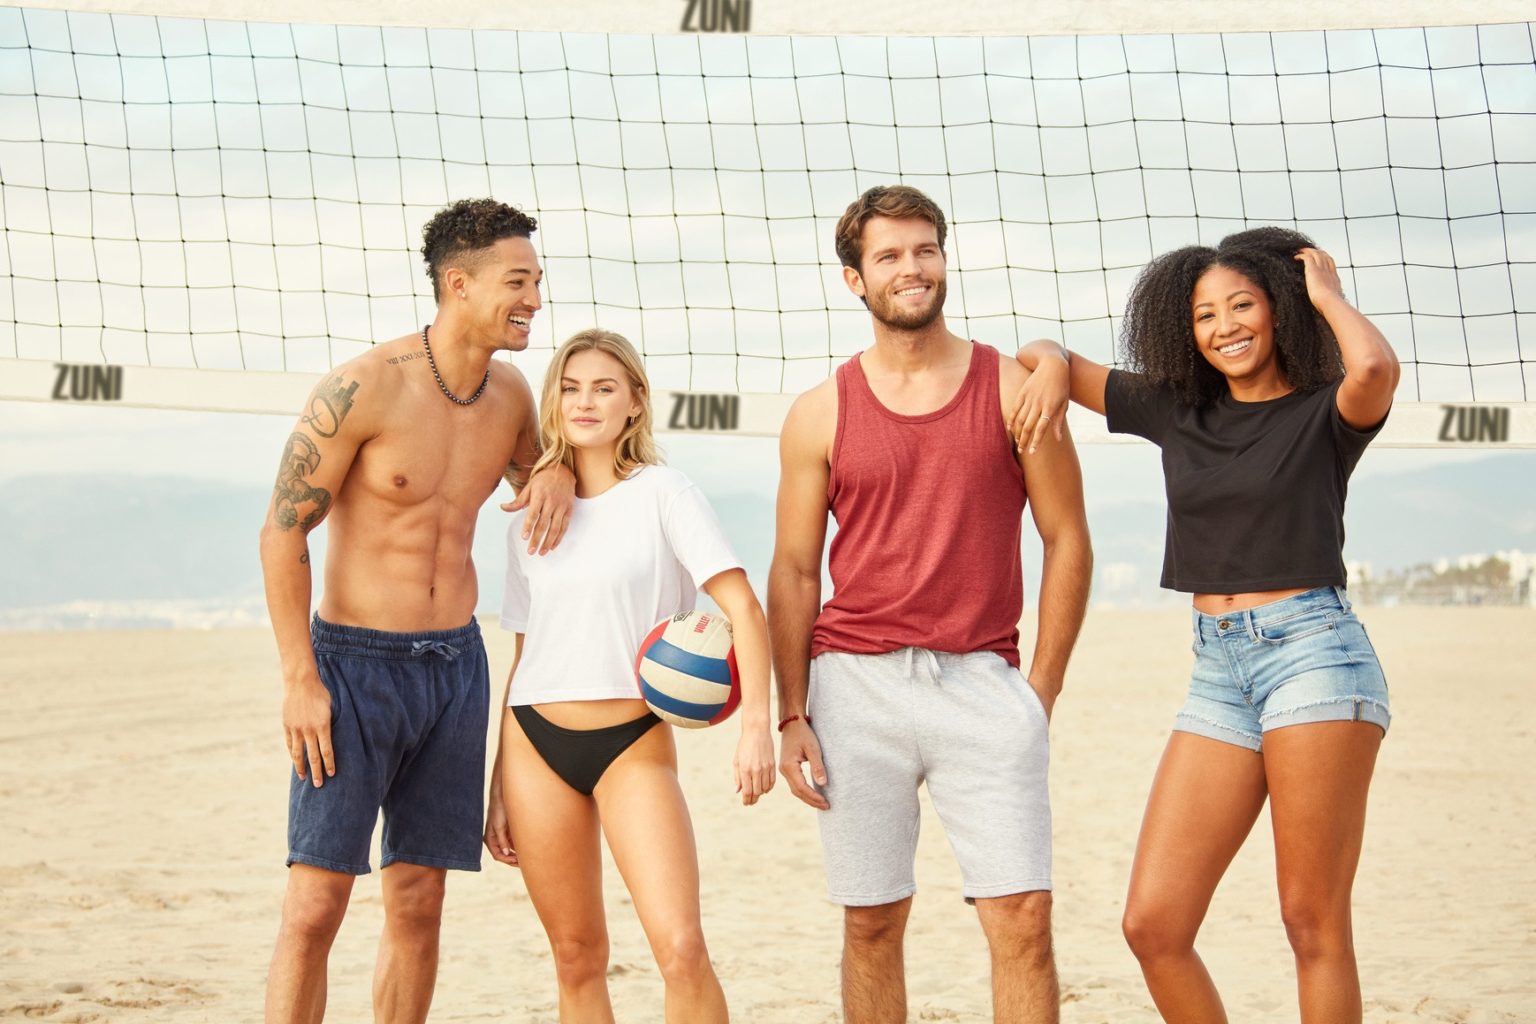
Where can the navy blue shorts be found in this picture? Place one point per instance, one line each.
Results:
(408, 721)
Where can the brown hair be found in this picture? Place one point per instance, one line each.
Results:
(897, 201)
(637, 446)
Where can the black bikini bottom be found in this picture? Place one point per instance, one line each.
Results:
(580, 756)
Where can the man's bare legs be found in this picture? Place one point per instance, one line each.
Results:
(1018, 930)
(874, 973)
(313, 907)
(407, 967)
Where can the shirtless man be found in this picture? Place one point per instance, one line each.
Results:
(910, 671)
(385, 693)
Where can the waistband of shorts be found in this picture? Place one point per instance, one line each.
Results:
(358, 641)
(1318, 599)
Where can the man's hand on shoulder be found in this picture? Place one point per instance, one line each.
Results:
(548, 497)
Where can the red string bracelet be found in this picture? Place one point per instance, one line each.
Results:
(794, 718)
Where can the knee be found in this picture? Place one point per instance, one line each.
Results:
(1019, 927)
(682, 958)
(1153, 934)
(313, 915)
(1316, 929)
(875, 927)
(580, 959)
(415, 905)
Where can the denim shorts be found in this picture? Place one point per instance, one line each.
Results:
(408, 721)
(1290, 662)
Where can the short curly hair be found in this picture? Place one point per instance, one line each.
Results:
(1157, 333)
(900, 201)
(458, 232)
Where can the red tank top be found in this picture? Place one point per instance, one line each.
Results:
(928, 512)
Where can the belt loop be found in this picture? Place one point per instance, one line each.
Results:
(1199, 627)
(1253, 633)
(1343, 596)
(909, 662)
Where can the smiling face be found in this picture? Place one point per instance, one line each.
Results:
(901, 272)
(596, 399)
(499, 291)
(1234, 328)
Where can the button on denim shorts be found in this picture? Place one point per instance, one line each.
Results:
(1290, 662)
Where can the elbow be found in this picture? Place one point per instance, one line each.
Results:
(1378, 371)
(1072, 543)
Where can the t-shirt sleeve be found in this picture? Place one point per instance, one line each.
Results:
(1350, 441)
(1132, 408)
(695, 536)
(515, 596)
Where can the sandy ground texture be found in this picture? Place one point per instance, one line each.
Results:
(143, 793)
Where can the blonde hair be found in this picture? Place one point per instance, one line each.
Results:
(636, 447)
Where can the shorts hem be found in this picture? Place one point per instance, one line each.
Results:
(422, 860)
(295, 857)
(972, 893)
(1353, 708)
(1212, 730)
(878, 900)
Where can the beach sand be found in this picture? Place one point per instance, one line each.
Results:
(143, 793)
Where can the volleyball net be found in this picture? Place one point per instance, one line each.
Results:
(206, 214)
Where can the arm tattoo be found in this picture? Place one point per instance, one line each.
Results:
(295, 502)
(329, 405)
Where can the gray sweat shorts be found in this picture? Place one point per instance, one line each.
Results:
(967, 724)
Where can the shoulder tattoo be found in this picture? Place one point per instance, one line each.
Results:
(329, 405)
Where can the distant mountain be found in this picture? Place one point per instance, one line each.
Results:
(66, 538)
(117, 538)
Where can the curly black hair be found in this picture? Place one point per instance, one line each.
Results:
(467, 226)
(1158, 331)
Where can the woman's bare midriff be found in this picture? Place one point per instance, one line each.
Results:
(592, 714)
(1216, 604)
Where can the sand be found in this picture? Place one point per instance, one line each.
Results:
(143, 796)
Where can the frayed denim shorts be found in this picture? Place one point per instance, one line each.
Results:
(1295, 661)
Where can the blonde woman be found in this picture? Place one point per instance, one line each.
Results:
(579, 749)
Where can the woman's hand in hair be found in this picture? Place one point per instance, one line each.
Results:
(1323, 284)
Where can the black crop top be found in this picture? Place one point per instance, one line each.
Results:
(1255, 489)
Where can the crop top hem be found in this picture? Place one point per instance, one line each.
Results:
(1250, 586)
(569, 696)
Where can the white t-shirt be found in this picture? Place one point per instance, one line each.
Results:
(633, 555)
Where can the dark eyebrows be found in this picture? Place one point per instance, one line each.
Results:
(1240, 291)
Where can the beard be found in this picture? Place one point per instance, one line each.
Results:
(884, 309)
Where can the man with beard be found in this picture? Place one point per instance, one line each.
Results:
(910, 672)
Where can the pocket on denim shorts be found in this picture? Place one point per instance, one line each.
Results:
(1297, 627)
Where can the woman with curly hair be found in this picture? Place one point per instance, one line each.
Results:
(1262, 386)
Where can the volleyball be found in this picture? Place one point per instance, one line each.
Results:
(687, 670)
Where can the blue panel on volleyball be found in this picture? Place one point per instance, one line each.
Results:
(716, 670)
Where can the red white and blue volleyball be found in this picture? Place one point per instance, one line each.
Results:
(687, 670)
